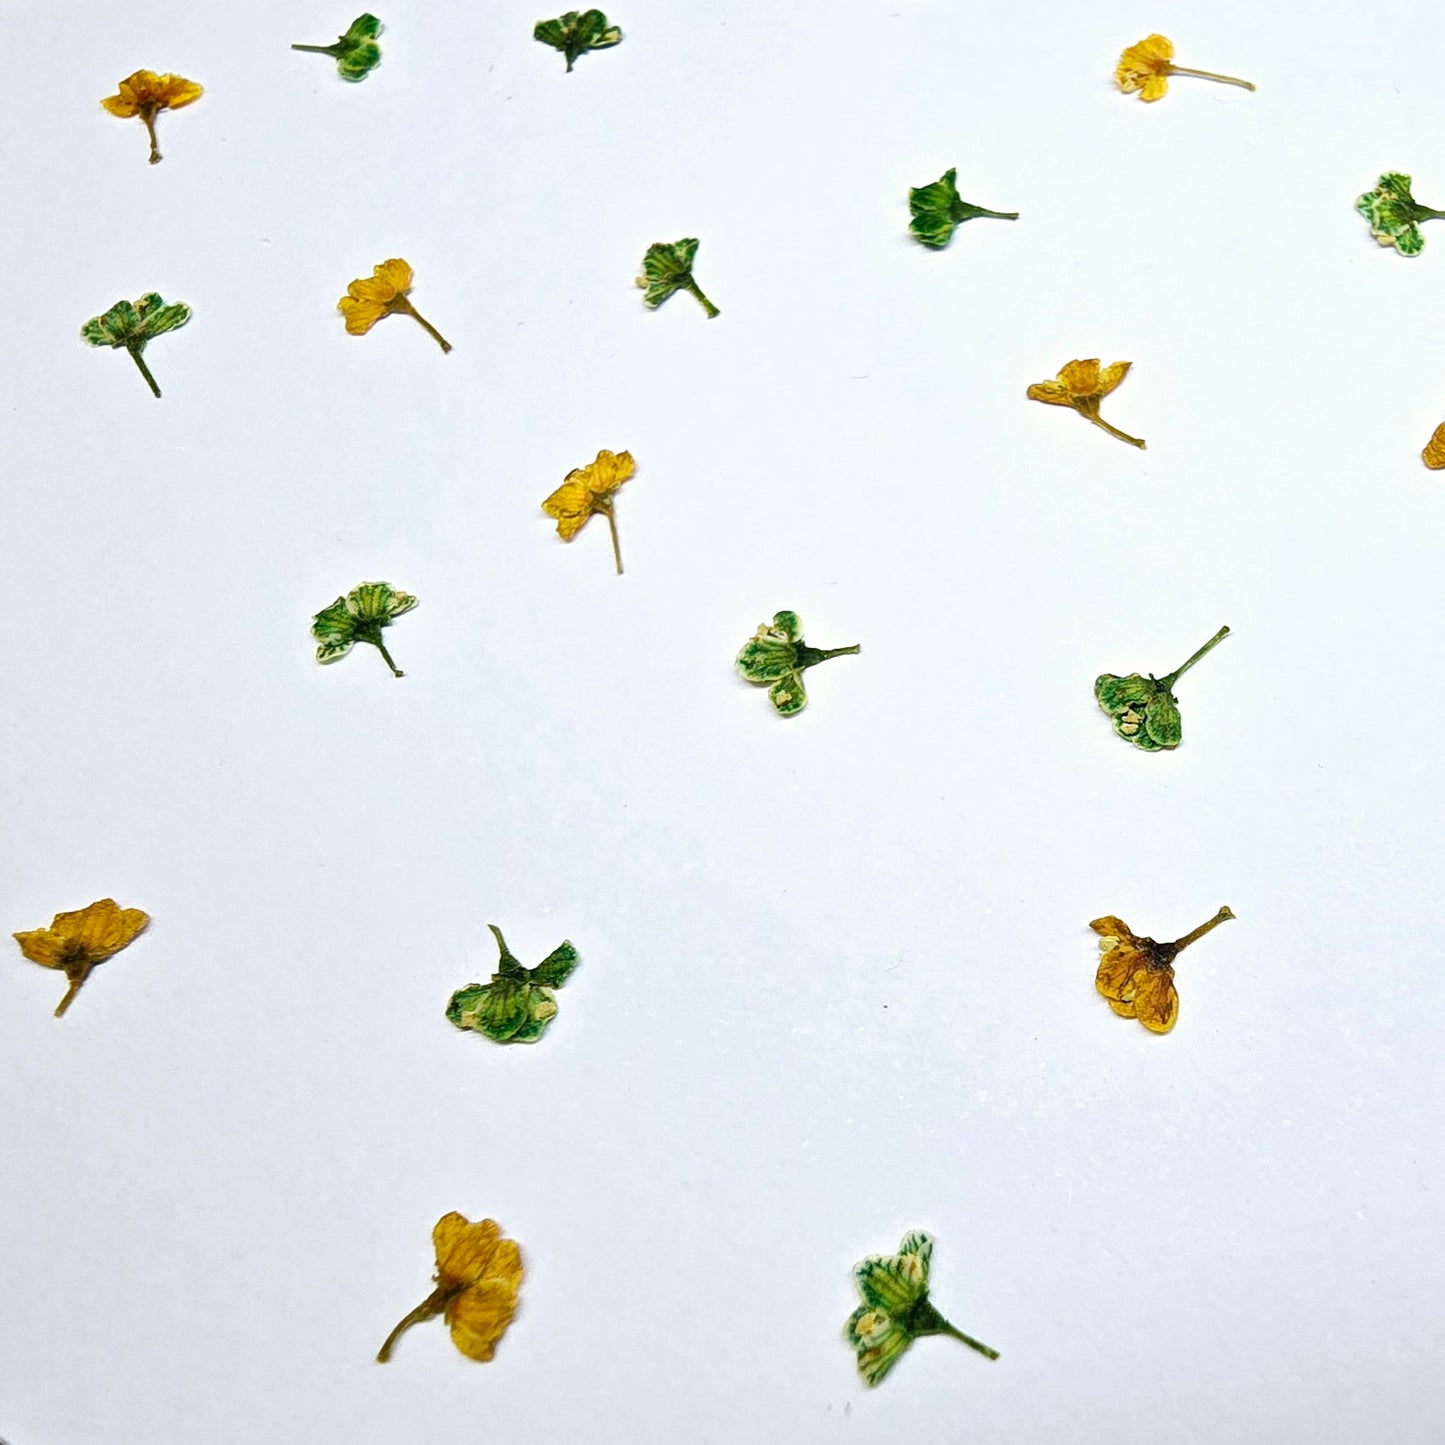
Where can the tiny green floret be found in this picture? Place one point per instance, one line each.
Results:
(938, 212)
(776, 658)
(517, 1005)
(574, 34)
(132, 325)
(1395, 215)
(666, 268)
(1145, 711)
(359, 617)
(356, 53)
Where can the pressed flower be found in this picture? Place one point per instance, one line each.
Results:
(359, 617)
(667, 268)
(573, 34)
(146, 94)
(1136, 975)
(896, 1309)
(1395, 215)
(588, 491)
(1434, 453)
(1083, 385)
(132, 324)
(776, 657)
(938, 211)
(75, 942)
(517, 1005)
(477, 1277)
(1144, 709)
(356, 53)
(383, 293)
(1147, 66)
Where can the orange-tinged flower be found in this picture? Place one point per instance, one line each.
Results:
(383, 293)
(1136, 975)
(477, 1277)
(589, 490)
(76, 942)
(1083, 385)
(146, 94)
(1147, 66)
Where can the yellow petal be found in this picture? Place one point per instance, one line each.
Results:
(571, 505)
(1117, 970)
(1111, 927)
(1124, 1009)
(1157, 49)
(1154, 87)
(121, 105)
(609, 471)
(463, 1248)
(102, 928)
(1114, 373)
(174, 91)
(1434, 453)
(372, 289)
(361, 316)
(1081, 378)
(41, 946)
(1050, 391)
(1156, 1001)
(479, 1317)
(396, 273)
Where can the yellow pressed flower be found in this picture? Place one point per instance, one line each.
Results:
(1083, 385)
(589, 490)
(383, 293)
(76, 942)
(1147, 66)
(1136, 975)
(146, 94)
(1434, 454)
(477, 1277)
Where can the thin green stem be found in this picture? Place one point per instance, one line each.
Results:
(402, 304)
(330, 50)
(381, 648)
(986, 1350)
(839, 652)
(76, 979)
(691, 285)
(1424, 213)
(145, 371)
(616, 546)
(428, 1309)
(1179, 672)
(1210, 75)
(997, 215)
(149, 117)
(1112, 430)
(1223, 916)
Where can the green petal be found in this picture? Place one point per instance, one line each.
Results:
(556, 968)
(1162, 721)
(378, 602)
(500, 1009)
(919, 1243)
(1396, 184)
(1114, 694)
(334, 647)
(334, 621)
(463, 1005)
(875, 1360)
(890, 1283)
(789, 624)
(789, 695)
(364, 27)
(764, 659)
(932, 207)
(1409, 240)
(156, 318)
(357, 64)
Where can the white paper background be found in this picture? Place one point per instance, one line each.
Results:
(836, 979)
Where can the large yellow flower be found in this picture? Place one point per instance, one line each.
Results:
(1147, 66)
(76, 942)
(1083, 385)
(146, 94)
(589, 490)
(477, 1277)
(383, 293)
(1136, 975)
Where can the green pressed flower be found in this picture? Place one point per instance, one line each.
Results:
(517, 1005)
(356, 53)
(895, 1309)
(1395, 215)
(1144, 709)
(574, 33)
(132, 325)
(777, 656)
(359, 617)
(938, 212)
(668, 268)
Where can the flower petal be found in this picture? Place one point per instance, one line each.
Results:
(608, 472)
(102, 928)
(121, 105)
(1052, 392)
(41, 946)
(789, 695)
(876, 1359)
(174, 91)
(463, 1248)
(1434, 454)
(1111, 926)
(1112, 375)
(1156, 1000)
(1117, 972)
(395, 273)
(360, 316)
(1155, 88)
(571, 505)
(1081, 378)
(889, 1283)
(479, 1317)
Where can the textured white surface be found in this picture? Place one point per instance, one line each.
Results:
(836, 980)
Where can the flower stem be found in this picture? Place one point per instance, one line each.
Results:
(1181, 670)
(318, 49)
(428, 1309)
(145, 371)
(1223, 916)
(840, 652)
(76, 979)
(1210, 75)
(405, 305)
(973, 1344)
(616, 547)
(976, 211)
(381, 648)
(148, 116)
(1113, 430)
(691, 285)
